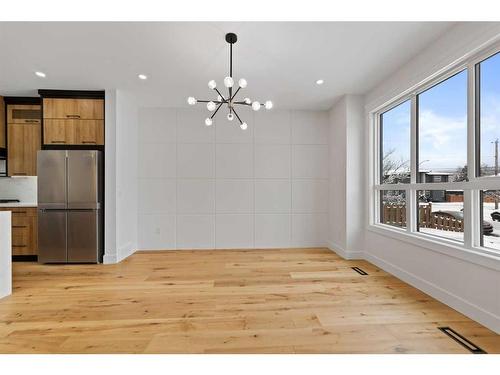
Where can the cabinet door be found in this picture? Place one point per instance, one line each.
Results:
(58, 132)
(24, 231)
(24, 114)
(60, 108)
(83, 238)
(90, 109)
(23, 144)
(87, 109)
(89, 132)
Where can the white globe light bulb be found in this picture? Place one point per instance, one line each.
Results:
(244, 126)
(242, 83)
(212, 85)
(228, 82)
(208, 121)
(191, 101)
(211, 106)
(230, 116)
(268, 104)
(247, 101)
(256, 106)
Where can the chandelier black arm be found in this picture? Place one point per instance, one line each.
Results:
(238, 117)
(243, 103)
(218, 92)
(215, 101)
(236, 93)
(213, 114)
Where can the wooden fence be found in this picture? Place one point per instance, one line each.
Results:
(395, 214)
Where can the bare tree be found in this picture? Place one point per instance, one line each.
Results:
(460, 174)
(394, 170)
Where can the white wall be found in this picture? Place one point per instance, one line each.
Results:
(221, 187)
(347, 177)
(121, 197)
(110, 178)
(468, 287)
(22, 188)
(338, 203)
(126, 174)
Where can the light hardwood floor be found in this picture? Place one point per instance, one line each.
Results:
(251, 301)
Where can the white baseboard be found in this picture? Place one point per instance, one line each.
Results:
(467, 308)
(340, 251)
(125, 251)
(109, 258)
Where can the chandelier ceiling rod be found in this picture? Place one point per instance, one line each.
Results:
(215, 105)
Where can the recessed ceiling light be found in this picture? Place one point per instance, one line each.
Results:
(40, 74)
(320, 82)
(142, 76)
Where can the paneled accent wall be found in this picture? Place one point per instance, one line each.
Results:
(220, 187)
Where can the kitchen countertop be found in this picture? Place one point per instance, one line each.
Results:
(18, 204)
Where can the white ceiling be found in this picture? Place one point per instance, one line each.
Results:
(280, 60)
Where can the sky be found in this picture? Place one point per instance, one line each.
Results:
(443, 121)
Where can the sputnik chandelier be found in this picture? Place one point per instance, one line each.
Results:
(230, 99)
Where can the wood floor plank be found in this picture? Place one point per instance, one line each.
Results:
(226, 301)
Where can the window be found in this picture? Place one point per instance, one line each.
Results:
(488, 115)
(395, 147)
(439, 154)
(440, 213)
(393, 208)
(442, 130)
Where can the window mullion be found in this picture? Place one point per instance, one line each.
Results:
(471, 119)
(413, 140)
(411, 196)
(468, 219)
(471, 203)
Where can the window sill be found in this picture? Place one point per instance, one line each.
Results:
(479, 256)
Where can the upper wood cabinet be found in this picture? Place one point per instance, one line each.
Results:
(73, 121)
(59, 132)
(85, 109)
(22, 145)
(3, 142)
(24, 114)
(89, 132)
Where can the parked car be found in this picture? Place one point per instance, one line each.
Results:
(495, 216)
(459, 215)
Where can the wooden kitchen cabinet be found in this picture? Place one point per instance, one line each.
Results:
(24, 230)
(86, 109)
(91, 109)
(89, 132)
(59, 132)
(24, 114)
(24, 140)
(73, 121)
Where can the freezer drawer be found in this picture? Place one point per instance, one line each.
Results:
(83, 236)
(52, 236)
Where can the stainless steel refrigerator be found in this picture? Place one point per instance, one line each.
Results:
(70, 189)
